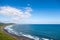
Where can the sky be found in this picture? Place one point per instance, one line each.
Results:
(30, 11)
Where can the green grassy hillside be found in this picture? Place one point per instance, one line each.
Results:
(3, 35)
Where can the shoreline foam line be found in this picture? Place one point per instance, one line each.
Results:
(10, 30)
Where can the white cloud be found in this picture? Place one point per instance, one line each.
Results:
(17, 15)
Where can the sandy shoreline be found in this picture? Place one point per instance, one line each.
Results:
(15, 36)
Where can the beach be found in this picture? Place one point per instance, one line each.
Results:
(31, 32)
(14, 36)
(37, 31)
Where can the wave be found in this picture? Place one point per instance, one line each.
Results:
(34, 37)
(10, 30)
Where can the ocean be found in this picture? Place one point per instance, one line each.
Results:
(36, 31)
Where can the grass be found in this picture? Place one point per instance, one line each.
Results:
(4, 36)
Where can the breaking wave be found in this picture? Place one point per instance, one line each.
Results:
(10, 30)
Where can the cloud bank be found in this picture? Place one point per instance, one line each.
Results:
(17, 15)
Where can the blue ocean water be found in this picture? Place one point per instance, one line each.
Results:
(39, 31)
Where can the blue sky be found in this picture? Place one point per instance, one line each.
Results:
(43, 11)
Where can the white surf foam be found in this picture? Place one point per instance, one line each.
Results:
(29, 36)
(34, 37)
(45, 39)
(10, 30)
